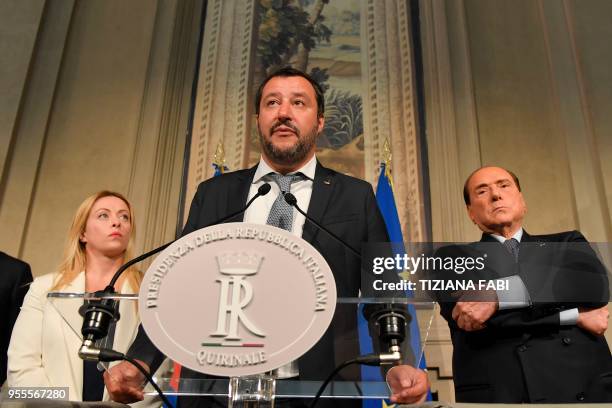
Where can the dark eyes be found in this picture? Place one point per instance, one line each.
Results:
(297, 102)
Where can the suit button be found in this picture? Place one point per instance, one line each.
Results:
(580, 396)
(567, 341)
(522, 348)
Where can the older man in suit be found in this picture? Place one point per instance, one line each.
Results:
(289, 107)
(15, 275)
(542, 341)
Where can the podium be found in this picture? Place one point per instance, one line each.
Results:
(253, 391)
(241, 301)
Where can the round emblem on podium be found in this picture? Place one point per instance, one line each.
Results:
(237, 299)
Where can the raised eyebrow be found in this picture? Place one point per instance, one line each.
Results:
(106, 209)
(280, 95)
(481, 186)
(299, 95)
(503, 181)
(271, 95)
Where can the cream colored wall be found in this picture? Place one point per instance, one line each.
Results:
(592, 29)
(100, 96)
(516, 120)
(525, 84)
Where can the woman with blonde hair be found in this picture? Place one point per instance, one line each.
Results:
(44, 346)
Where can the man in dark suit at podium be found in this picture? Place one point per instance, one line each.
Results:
(289, 107)
(541, 341)
(15, 275)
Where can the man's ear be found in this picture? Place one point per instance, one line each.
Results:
(320, 124)
(524, 203)
(469, 212)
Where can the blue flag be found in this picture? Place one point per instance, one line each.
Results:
(386, 204)
(219, 169)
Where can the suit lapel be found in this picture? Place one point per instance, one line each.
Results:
(71, 322)
(537, 260)
(322, 189)
(528, 250)
(238, 193)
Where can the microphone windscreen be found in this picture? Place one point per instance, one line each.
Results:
(264, 189)
(290, 199)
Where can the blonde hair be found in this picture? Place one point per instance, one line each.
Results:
(75, 259)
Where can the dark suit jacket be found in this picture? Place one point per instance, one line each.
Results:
(525, 355)
(14, 278)
(343, 204)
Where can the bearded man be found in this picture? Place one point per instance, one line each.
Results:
(290, 115)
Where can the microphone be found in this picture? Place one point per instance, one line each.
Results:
(391, 323)
(97, 317)
(99, 314)
(390, 320)
(292, 201)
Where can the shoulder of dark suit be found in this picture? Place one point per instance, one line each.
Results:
(6, 258)
(227, 178)
(565, 236)
(349, 181)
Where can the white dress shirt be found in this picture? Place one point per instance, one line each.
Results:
(258, 212)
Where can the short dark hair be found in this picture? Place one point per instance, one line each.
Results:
(466, 193)
(292, 72)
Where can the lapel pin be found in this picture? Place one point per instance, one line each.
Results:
(327, 181)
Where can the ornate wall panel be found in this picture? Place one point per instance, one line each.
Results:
(366, 63)
(390, 108)
(222, 110)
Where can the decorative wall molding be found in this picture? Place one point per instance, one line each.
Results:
(389, 106)
(223, 105)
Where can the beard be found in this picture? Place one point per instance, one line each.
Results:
(293, 154)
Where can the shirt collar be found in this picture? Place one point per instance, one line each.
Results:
(263, 169)
(518, 235)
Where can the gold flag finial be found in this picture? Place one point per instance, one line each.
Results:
(386, 153)
(219, 157)
(386, 159)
